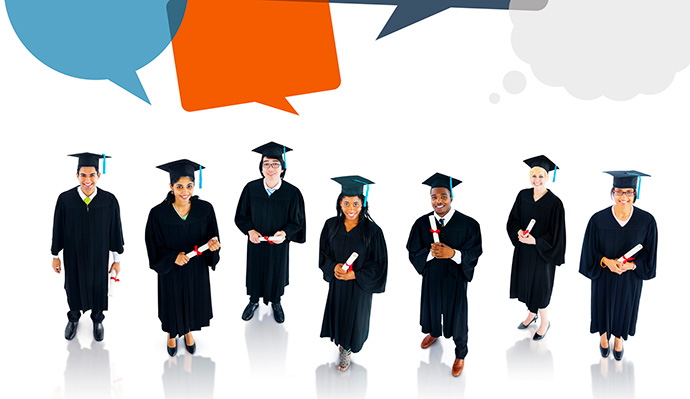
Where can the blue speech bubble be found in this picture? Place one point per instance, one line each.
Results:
(97, 39)
(408, 12)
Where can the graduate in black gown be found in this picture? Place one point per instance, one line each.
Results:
(270, 207)
(350, 287)
(87, 229)
(179, 225)
(539, 250)
(617, 282)
(446, 267)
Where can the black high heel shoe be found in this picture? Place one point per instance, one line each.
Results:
(538, 337)
(190, 348)
(604, 351)
(618, 355)
(524, 326)
(172, 351)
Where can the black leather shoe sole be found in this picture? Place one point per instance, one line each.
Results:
(278, 313)
(98, 332)
(71, 329)
(249, 311)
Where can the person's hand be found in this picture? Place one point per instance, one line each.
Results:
(280, 233)
(628, 266)
(614, 266)
(440, 250)
(56, 265)
(254, 236)
(528, 239)
(340, 274)
(182, 259)
(115, 266)
(213, 244)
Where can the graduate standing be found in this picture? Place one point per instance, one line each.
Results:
(271, 213)
(87, 228)
(538, 250)
(446, 267)
(351, 285)
(179, 225)
(616, 275)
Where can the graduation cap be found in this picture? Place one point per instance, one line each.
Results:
(273, 150)
(441, 180)
(353, 185)
(627, 179)
(87, 159)
(182, 167)
(543, 162)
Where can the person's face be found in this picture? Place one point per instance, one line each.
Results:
(538, 180)
(351, 207)
(271, 167)
(440, 200)
(623, 196)
(88, 176)
(183, 189)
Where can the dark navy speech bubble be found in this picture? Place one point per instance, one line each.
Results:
(408, 12)
(97, 39)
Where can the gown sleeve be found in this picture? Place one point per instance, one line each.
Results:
(295, 229)
(418, 251)
(371, 276)
(58, 243)
(243, 216)
(161, 259)
(326, 261)
(513, 225)
(645, 260)
(551, 244)
(116, 239)
(212, 257)
(471, 249)
(591, 255)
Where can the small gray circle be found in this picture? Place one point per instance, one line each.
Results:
(514, 82)
(494, 98)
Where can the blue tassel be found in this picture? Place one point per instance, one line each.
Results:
(555, 168)
(451, 187)
(103, 163)
(366, 196)
(639, 183)
(201, 178)
(284, 160)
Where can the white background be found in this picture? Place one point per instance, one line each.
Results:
(409, 105)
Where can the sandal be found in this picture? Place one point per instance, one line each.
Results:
(344, 358)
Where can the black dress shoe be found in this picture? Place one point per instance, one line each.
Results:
(71, 330)
(172, 351)
(278, 313)
(98, 331)
(524, 326)
(604, 351)
(190, 348)
(538, 337)
(249, 310)
(618, 355)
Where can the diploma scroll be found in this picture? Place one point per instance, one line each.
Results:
(198, 251)
(629, 255)
(434, 229)
(530, 226)
(350, 261)
(272, 238)
(112, 283)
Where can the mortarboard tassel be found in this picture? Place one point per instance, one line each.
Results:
(451, 187)
(555, 168)
(103, 163)
(201, 180)
(639, 181)
(284, 160)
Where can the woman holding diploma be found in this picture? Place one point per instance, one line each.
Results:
(176, 232)
(612, 259)
(536, 227)
(348, 305)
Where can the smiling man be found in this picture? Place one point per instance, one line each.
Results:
(86, 228)
(446, 267)
(271, 213)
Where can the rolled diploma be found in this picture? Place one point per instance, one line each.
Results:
(350, 261)
(202, 249)
(432, 221)
(112, 282)
(630, 253)
(273, 238)
(529, 227)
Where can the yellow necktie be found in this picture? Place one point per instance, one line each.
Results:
(87, 200)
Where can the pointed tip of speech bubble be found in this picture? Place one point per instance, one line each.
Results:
(407, 14)
(130, 82)
(280, 103)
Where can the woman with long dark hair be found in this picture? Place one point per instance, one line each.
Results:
(178, 226)
(351, 281)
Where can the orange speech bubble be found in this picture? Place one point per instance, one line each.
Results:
(230, 52)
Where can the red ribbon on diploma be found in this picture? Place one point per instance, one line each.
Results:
(525, 233)
(349, 267)
(196, 251)
(625, 260)
(115, 278)
(437, 231)
(269, 241)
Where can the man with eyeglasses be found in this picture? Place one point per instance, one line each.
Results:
(271, 213)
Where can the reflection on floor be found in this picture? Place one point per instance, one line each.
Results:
(266, 344)
(87, 372)
(434, 379)
(530, 358)
(332, 383)
(613, 379)
(187, 376)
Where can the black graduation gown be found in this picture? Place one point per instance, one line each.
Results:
(267, 264)
(616, 298)
(444, 282)
(534, 266)
(87, 234)
(184, 292)
(348, 305)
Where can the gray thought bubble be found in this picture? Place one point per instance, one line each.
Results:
(612, 48)
(514, 82)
